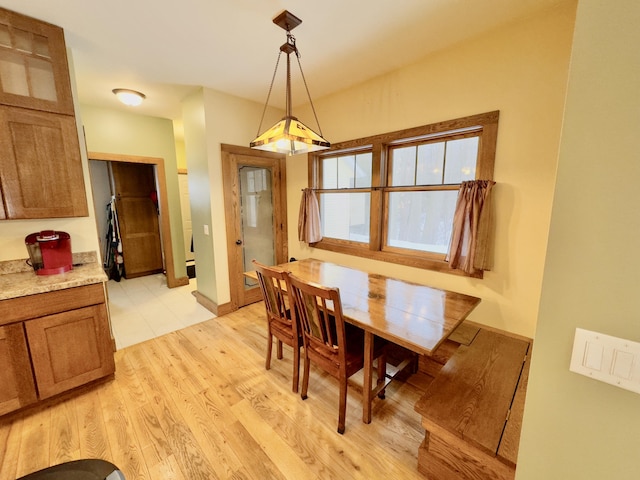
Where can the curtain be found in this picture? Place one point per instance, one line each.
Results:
(471, 247)
(309, 218)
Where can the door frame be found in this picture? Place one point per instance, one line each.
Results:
(165, 226)
(240, 296)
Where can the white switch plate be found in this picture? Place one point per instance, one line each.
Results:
(206, 229)
(609, 359)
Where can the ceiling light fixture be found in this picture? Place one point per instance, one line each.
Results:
(129, 97)
(289, 135)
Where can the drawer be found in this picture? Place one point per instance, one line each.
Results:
(41, 304)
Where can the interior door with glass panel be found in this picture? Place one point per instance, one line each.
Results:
(255, 203)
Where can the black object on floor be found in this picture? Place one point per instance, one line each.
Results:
(87, 469)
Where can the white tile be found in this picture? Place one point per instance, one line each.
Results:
(143, 308)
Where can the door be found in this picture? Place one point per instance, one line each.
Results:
(56, 366)
(40, 166)
(137, 209)
(255, 201)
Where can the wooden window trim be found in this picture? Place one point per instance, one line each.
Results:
(379, 145)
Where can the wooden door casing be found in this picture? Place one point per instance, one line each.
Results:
(232, 157)
(138, 218)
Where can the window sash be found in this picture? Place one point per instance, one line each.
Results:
(483, 126)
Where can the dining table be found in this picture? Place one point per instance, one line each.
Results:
(415, 316)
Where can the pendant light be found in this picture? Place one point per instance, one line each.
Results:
(289, 135)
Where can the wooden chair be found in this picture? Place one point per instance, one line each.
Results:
(280, 323)
(330, 343)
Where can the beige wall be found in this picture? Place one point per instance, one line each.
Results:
(520, 70)
(120, 132)
(212, 118)
(84, 235)
(576, 427)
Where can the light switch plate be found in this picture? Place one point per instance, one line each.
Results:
(609, 359)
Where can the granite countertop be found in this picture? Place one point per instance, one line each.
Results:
(18, 279)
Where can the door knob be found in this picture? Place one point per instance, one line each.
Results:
(238, 242)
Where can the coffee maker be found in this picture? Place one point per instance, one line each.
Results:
(49, 252)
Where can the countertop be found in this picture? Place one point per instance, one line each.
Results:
(18, 279)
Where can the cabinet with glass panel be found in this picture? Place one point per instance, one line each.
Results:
(33, 64)
(41, 168)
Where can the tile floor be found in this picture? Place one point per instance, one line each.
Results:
(144, 307)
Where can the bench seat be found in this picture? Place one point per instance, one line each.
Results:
(472, 411)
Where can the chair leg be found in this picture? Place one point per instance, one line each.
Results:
(279, 349)
(305, 378)
(382, 373)
(296, 368)
(343, 405)
(269, 347)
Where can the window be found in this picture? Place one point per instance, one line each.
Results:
(392, 197)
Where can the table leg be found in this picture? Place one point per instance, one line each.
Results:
(368, 377)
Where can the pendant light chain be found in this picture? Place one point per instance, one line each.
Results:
(273, 79)
(304, 80)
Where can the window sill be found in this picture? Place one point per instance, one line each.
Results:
(434, 264)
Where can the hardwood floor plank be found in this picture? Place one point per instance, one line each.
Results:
(188, 453)
(34, 442)
(10, 435)
(94, 442)
(64, 438)
(125, 449)
(205, 432)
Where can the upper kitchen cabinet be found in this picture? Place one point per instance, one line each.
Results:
(41, 173)
(34, 71)
(40, 168)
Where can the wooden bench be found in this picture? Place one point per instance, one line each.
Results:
(472, 411)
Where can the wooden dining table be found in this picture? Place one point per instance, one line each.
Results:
(415, 316)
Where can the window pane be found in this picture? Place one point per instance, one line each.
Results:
(430, 164)
(403, 165)
(421, 220)
(461, 159)
(363, 169)
(346, 168)
(345, 216)
(329, 172)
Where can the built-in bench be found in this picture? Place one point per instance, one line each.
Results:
(472, 411)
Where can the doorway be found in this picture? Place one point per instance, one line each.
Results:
(256, 205)
(163, 206)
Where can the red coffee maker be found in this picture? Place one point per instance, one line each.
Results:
(49, 252)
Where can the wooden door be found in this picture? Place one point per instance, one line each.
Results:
(40, 167)
(16, 378)
(56, 365)
(256, 204)
(137, 209)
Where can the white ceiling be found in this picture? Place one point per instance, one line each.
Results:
(165, 48)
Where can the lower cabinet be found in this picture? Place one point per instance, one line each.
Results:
(66, 346)
(18, 388)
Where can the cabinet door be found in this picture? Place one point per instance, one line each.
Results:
(40, 166)
(70, 349)
(34, 71)
(16, 380)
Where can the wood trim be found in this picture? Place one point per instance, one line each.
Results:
(165, 225)
(230, 158)
(213, 307)
(182, 171)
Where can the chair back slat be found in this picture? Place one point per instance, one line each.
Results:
(319, 315)
(272, 284)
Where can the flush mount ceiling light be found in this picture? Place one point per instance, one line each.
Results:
(129, 97)
(289, 135)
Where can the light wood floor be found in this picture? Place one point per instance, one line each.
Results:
(198, 404)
